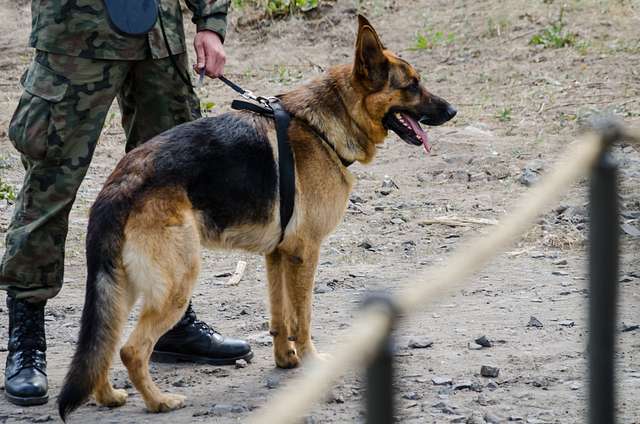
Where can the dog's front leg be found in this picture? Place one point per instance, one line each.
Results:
(283, 348)
(299, 275)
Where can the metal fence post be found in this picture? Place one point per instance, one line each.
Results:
(379, 374)
(603, 269)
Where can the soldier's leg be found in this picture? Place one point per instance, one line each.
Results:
(154, 99)
(55, 127)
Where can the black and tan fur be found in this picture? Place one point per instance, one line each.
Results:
(213, 183)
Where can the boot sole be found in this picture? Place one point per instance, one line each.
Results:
(26, 401)
(172, 358)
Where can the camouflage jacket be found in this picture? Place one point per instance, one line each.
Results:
(81, 28)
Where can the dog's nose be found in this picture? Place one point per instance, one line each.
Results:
(451, 112)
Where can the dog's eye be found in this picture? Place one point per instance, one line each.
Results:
(413, 88)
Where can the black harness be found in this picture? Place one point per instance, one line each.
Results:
(272, 107)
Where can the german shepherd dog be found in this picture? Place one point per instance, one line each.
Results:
(213, 182)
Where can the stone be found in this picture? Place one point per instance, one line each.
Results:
(474, 346)
(492, 418)
(560, 262)
(463, 385)
(42, 419)
(528, 177)
(631, 230)
(534, 322)
(489, 371)
(241, 363)
(560, 273)
(484, 341)
(180, 382)
(272, 382)
(567, 323)
(420, 343)
(412, 396)
(626, 327)
(441, 381)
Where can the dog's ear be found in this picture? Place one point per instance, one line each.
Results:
(371, 65)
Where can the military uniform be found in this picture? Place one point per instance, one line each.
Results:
(81, 64)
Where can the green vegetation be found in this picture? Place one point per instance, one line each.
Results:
(430, 39)
(277, 7)
(555, 36)
(504, 115)
(206, 106)
(7, 192)
(284, 75)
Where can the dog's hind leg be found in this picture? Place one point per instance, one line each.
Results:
(104, 393)
(163, 259)
(299, 275)
(283, 349)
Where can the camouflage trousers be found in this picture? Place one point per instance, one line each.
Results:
(56, 127)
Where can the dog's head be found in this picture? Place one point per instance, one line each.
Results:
(393, 93)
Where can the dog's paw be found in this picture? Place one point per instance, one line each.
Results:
(115, 398)
(289, 359)
(166, 403)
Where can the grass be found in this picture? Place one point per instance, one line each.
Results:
(430, 39)
(554, 36)
(284, 75)
(504, 115)
(7, 192)
(206, 106)
(277, 7)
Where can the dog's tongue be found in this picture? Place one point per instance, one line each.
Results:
(422, 135)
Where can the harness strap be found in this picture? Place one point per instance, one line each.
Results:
(287, 171)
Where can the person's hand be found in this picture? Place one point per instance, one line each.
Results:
(210, 53)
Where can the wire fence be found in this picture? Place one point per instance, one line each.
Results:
(367, 343)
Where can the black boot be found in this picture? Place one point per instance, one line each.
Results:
(192, 340)
(25, 375)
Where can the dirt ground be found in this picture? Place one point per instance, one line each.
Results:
(519, 105)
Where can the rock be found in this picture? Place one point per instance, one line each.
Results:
(515, 418)
(492, 418)
(474, 346)
(534, 322)
(463, 385)
(484, 341)
(365, 244)
(560, 262)
(335, 397)
(241, 363)
(630, 229)
(42, 419)
(387, 182)
(224, 409)
(412, 396)
(321, 289)
(488, 371)
(575, 386)
(444, 408)
(567, 323)
(420, 343)
(398, 221)
(180, 382)
(560, 273)
(458, 419)
(492, 385)
(537, 255)
(441, 381)
(272, 382)
(626, 328)
(528, 177)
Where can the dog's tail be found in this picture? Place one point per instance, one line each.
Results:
(105, 306)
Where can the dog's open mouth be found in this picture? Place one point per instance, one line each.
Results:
(407, 128)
